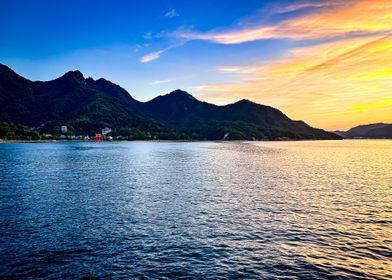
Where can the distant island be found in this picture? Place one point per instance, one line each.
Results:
(369, 131)
(73, 107)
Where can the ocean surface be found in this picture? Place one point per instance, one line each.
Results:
(168, 210)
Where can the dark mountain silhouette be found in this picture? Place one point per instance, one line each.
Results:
(88, 105)
(242, 120)
(377, 130)
(84, 104)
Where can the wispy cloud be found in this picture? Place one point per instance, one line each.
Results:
(158, 82)
(301, 5)
(361, 17)
(333, 85)
(151, 56)
(171, 14)
(155, 55)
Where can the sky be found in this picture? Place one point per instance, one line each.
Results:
(328, 63)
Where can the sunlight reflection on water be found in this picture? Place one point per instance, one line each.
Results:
(308, 209)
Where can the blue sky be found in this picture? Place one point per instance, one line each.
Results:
(323, 61)
(44, 39)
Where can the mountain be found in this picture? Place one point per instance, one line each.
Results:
(87, 105)
(377, 130)
(241, 120)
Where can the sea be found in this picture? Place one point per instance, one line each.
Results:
(196, 210)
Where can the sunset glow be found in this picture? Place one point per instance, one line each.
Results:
(333, 85)
(188, 139)
(327, 63)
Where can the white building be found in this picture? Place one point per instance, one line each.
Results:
(106, 131)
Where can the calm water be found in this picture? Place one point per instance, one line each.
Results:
(281, 210)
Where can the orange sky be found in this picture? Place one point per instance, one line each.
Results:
(335, 85)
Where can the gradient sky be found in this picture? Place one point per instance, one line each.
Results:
(328, 63)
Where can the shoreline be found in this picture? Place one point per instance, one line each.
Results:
(2, 141)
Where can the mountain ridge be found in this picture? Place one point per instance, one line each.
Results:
(375, 130)
(87, 105)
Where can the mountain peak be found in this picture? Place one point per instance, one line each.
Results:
(75, 74)
(87, 106)
(180, 93)
(244, 101)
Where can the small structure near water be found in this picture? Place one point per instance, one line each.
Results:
(98, 137)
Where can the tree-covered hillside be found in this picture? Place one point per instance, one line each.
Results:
(86, 106)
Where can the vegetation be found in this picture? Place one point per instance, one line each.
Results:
(376, 130)
(11, 131)
(86, 106)
(243, 120)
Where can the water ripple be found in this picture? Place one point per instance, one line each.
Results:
(253, 210)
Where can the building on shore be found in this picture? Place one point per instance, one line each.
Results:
(106, 131)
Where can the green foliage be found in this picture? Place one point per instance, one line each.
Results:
(86, 106)
(11, 131)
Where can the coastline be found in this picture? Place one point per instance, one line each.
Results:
(2, 141)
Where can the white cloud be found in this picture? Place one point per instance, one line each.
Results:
(172, 13)
(160, 82)
(155, 55)
(151, 56)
